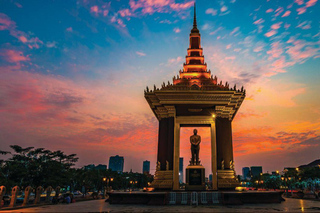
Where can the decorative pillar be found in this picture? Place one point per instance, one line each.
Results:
(214, 155)
(27, 192)
(57, 190)
(2, 192)
(176, 184)
(162, 143)
(48, 192)
(38, 195)
(14, 195)
(224, 142)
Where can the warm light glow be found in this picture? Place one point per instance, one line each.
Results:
(213, 115)
(111, 179)
(282, 178)
(131, 181)
(277, 172)
(297, 169)
(104, 179)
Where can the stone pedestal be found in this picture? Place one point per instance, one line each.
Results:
(227, 179)
(195, 177)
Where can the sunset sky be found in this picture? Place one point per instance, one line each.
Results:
(72, 75)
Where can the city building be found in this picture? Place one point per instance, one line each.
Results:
(256, 171)
(210, 178)
(116, 163)
(92, 166)
(245, 173)
(181, 170)
(315, 163)
(146, 167)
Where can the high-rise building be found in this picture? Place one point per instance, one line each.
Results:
(181, 170)
(146, 167)
(210, 178)
(245, 173)
(256, 171)
(116, 163)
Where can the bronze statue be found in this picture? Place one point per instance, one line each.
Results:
(195, 147)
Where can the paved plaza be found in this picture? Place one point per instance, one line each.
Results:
(290, 205)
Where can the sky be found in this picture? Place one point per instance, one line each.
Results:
(72, 76)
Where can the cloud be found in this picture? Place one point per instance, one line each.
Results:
(176, 30)
(270, 33)
(299, 50)
(13, 56)
(311, 3)
(7, 24)
(278, 11)
(301, 10)
(175, 60)
(223, 8)
(276, 26)
(259, 21)
(299, 2)
(304, 25)
(269, 10)
(215, 31)
(287, 13)
(140, 53)
(211, 11)
(235, 30)
(228, 46)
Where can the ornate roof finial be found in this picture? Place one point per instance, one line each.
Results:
(194, 16)
(195, 28)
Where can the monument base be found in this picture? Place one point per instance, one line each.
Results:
(163, 180)
(227, 179)
(195, 177)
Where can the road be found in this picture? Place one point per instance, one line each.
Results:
(290, 205)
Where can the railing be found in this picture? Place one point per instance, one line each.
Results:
(193, 198)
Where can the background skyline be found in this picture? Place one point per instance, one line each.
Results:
(72, 75)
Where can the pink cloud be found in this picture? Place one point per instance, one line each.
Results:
(140, 53)
(69, 29)
(125, 12)
(311, 3)
(23, 39)
(270, 33)
(14, 56)
(211, 11)
(180, 6)
(94, 9)
(228, 46)
(7, 24)
(278, 11)
(301, 50)
(287, 13)
(259, 21)
(299, 2)
(304, 25)
(235, 30)
(269, 10)
(176, 30)
(276, 50)
(286, 26)
(258, 49)
(301, 10)
(276, 26)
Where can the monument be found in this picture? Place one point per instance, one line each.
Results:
(195, 171)
(195, 98)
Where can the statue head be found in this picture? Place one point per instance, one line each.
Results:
(195, 131)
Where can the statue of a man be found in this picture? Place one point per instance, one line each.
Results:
(195, 147)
